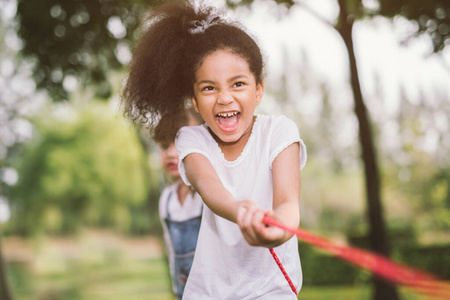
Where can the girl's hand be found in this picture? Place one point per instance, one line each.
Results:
(255, 231)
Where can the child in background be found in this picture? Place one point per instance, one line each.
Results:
(244, 167)
(180, 207)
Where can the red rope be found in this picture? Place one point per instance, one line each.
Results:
(379, 265)
(280, 265)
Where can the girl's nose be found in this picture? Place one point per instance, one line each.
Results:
(172, 151)
(169, 151)
(225, 98)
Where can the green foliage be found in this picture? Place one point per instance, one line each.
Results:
(86, 168)
(434, 259)
(331, 202)
(431, 17)
(416, 173)
(321, 269)
(437, 189)
(401, 237)
(72, 38)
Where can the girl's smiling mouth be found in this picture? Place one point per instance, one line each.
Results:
(228, 121)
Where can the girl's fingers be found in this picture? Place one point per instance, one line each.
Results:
(245, 216)
(257, 222)
(240, 215)
(244, 206)
(267, 234)
(255, 230)
(248, 217)
(245, 213)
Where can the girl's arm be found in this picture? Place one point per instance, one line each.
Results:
(286, 193)
(206, 182)
(286, 187)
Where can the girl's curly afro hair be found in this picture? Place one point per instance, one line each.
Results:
(167, 56)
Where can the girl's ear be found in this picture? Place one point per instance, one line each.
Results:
(259, 92)
(194, 104)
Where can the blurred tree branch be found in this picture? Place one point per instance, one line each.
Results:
(432, 17)
(76, 39)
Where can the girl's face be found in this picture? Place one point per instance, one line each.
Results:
(169, 160)
(226, 95)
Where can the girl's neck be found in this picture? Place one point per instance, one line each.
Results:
(182, 192)
(231, 151)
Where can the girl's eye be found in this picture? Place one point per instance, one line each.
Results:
(164, 146)
(208, 88)
(238, 84)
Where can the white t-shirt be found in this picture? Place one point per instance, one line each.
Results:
(225, 265)
(191, 208)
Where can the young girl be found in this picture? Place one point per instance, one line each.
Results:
(180, 208)
(244, 167)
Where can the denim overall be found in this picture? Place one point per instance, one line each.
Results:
(184, 237)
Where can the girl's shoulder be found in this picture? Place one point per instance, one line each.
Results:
(193, 138)
(269, 123)
(168, 191)
(272, 119)
(191, 133)
(198, 131)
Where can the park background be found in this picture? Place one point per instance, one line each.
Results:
(80, 184)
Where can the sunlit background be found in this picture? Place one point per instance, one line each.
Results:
(80, 184)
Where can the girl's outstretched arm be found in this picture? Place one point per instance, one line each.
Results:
(206, 182)
(286, 193)
(286, 187)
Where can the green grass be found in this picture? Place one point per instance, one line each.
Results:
(136, 280)
(125, 279)
(357, 292)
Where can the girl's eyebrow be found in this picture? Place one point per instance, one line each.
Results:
(207, 81)
(237, 77)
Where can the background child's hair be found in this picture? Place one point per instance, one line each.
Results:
(168, 125)
(164, 62)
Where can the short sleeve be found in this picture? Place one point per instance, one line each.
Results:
(163, 203)
(283, 133)
(190, 139)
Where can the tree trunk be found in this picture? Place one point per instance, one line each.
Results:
(382, 290)
(5, 292)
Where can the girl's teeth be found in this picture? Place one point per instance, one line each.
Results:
(227, 115)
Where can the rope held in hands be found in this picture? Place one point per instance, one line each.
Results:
(424, 283)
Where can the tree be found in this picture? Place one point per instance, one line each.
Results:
(349, 12)
(432, 19)
(378, 236)
(16, 89)
(76, 40)
(83, 168)
(421, 168)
